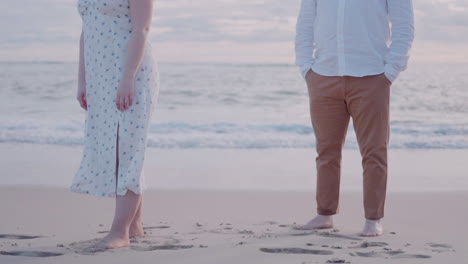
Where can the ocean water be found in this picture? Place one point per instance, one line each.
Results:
(232, 106)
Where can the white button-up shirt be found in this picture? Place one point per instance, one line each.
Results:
(354, 37)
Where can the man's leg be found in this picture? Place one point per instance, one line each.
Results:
(368, 102)
(330, 119)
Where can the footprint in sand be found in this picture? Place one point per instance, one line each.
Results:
(330, 234)
(326, 234)
(304, 233)
(40, 254)
(296, 251)
(439, 248)
(397, 254)
(246, 232)
(267, 223)
(161, 247)
(410, 256)
(144, 228)
(375, 254)
(12, 236)
(335, 260)
(156, 227)
(371, 244)
(86, 247)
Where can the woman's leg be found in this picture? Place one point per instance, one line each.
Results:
(126, 207)
(136, 227)
(125, 210)
(127, 217)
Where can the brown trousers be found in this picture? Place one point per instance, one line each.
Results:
(333, 100)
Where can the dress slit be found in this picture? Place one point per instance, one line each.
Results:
(117, 158)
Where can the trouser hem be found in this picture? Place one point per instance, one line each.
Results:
(326, 212)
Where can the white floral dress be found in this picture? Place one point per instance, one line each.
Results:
(107, 29)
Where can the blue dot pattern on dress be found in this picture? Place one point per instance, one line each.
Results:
(107, 28)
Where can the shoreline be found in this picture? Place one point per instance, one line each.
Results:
(234, 169)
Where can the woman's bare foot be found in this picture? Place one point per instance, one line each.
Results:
(113, 240)
(319, 222)
(372, 228)
(136, 230)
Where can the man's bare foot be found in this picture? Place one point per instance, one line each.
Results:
(136, 231)
(319, 222)
(372, 228)
(113, 240)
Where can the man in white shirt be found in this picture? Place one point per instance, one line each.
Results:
(350, 52)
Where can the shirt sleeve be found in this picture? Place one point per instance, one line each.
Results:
(401, 16)
(304, 43)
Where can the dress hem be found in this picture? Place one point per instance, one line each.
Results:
(108, 195)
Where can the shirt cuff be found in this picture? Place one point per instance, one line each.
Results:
(391, 73)
(305, 69)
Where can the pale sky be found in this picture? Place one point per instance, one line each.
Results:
(253, 31)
